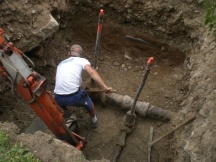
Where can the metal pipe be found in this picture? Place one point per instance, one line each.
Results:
(149, 62)
(142, 108)
(191, 118)
(97, 44)
(27, 58)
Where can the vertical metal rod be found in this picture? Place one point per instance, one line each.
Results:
(149, 62)
(149, 146)
(97, 44)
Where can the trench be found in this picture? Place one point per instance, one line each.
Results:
(165, 87)
(122, 64)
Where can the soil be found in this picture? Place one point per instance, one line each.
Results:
(121, 63)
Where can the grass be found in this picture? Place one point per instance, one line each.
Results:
(210, 16)
(15, 153)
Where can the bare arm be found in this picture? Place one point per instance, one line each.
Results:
(96, 77)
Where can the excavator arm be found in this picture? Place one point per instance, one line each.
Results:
(30, 86)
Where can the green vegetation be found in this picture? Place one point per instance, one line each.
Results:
(16, 153)
(210, 17)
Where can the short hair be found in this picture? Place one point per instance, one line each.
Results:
(76, 50)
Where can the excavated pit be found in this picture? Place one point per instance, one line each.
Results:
(122, 65)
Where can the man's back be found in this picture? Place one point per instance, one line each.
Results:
(68, 75)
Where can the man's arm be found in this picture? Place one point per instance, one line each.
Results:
(96, 77)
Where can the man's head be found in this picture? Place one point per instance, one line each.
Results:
(76, 50)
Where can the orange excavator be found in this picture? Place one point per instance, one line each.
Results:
(30, 86)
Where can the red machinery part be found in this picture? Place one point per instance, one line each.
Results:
(29, 85)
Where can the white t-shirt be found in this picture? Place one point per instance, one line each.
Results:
(69, 75)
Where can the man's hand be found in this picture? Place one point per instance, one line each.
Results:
(108, 89)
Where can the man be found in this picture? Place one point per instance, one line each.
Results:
(69, 79)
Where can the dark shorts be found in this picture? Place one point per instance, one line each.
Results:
(79, 99)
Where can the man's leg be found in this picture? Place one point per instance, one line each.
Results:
(93, 116)
(82, 99)
(92, 112)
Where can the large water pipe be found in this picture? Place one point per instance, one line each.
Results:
(125, 103)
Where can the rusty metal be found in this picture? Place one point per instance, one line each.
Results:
(142, 108)
(97, 44)
(150, 140)
(151, 143)
(173, 130)
(149, 63)
(120, 145)
(129, 119)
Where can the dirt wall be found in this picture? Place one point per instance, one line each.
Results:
(177, 23)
